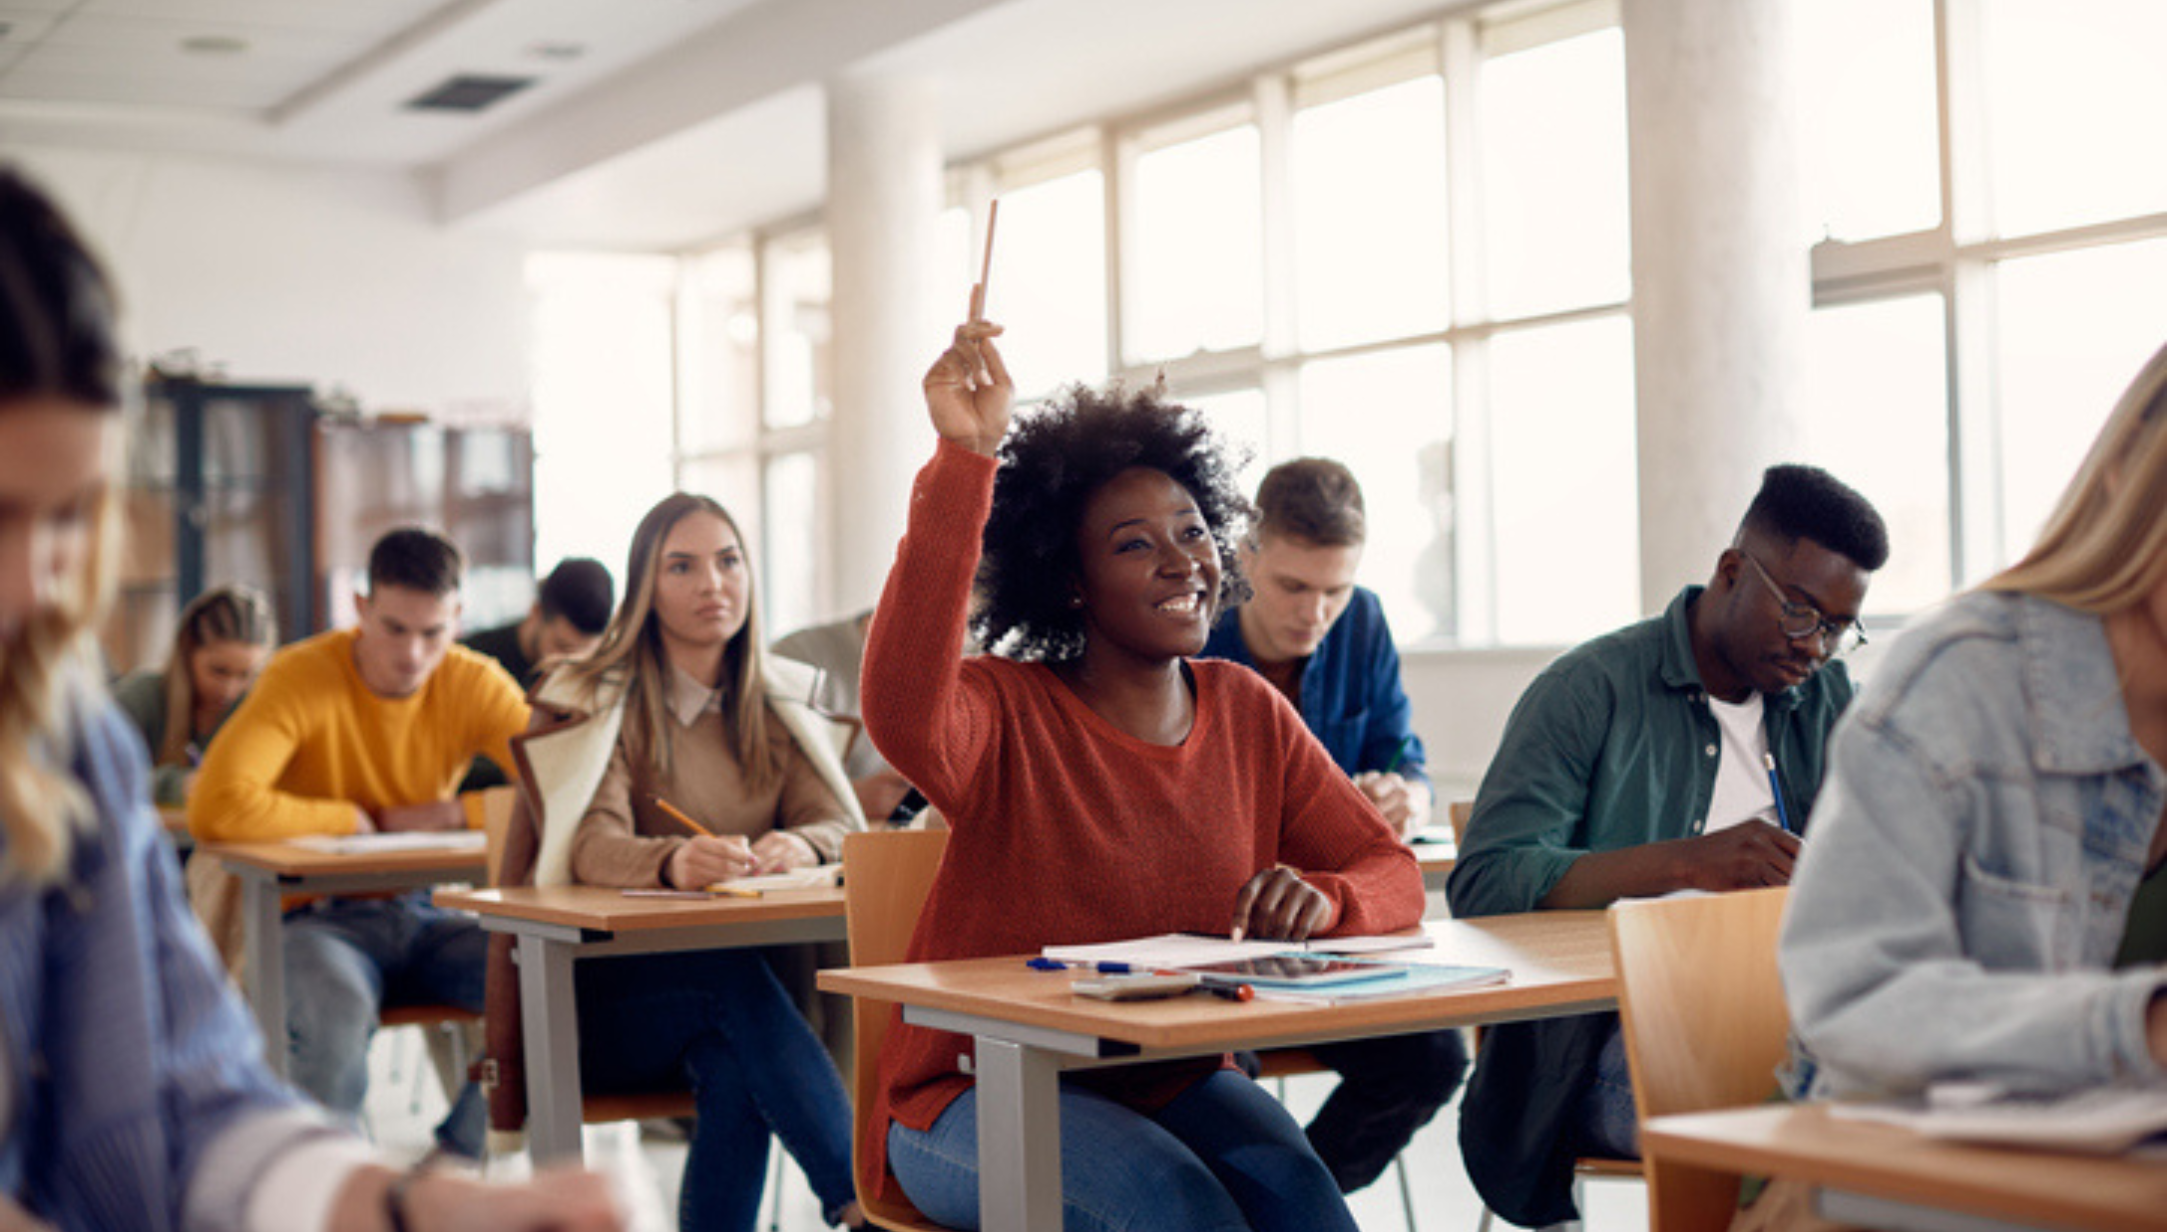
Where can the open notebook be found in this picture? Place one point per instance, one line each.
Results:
(397, 840)
(1196, 949)
(2103, 1120)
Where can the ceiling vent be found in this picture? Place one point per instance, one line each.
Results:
(468, 92)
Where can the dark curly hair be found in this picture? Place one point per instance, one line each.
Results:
(1056, 456)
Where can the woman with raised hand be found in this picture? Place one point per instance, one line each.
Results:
(223, 638)
(1100, 784)
(132, 1088)
(673, 758)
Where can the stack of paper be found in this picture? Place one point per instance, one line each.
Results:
(1195, 949)
(818, 877)
(397, 840)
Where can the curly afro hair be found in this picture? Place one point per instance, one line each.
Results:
(1056, 456)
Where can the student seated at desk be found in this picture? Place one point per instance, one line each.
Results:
(1985, 895)
(1638, 764)
(353, 731)
(221, 643)
(1100, 783)
(133, 1093)
(674, 714)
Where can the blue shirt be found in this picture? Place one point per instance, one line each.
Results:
(1351, 701)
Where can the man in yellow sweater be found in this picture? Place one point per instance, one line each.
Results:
(354, 731)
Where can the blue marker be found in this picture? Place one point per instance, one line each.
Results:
(1045, 964)
(1783, 815)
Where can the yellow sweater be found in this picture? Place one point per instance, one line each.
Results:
(311, 742)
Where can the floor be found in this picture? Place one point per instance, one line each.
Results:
(405, 1100)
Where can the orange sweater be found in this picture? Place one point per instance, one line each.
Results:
(1066, 830)
(311, 741)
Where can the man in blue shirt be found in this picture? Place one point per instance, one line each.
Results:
(1323, 642)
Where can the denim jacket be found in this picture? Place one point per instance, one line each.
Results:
(137, 1096)
(1974, 852)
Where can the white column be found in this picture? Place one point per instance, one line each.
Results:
(884, 200)
(1721, 283)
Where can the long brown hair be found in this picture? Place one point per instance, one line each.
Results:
(631, 652)
(56, 341)
(220, 614)
(2105, 546)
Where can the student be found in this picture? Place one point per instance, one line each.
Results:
(837, 651)
(1323, 642)
(674, 714)
(1639, 764)
(132, 1093)
(353, 731)
(1983, 898)
(1100, 783)
(565, 621)
(224, 636)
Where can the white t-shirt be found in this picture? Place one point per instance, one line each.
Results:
(1742, 788)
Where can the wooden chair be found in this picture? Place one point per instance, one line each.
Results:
(1587, 1167)
(886, 874)
(1705, 1024)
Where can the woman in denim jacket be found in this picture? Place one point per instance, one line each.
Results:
(1992, 817)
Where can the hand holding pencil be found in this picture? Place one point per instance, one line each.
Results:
(706, 857)
(968, 391)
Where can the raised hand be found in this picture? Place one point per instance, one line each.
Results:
(968, 390)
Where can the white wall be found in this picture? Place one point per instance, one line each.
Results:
(331, 277)
(1461, 700)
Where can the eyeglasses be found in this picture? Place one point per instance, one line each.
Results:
(1799, 621)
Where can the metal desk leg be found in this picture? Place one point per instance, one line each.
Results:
(262, 923)
(1019, 1137)
(550, 1023)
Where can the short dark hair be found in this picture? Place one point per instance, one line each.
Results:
(1806, 502)
(1312, 498)
(417, 559)
(56, 302)
(579, 590)
(1054, 459)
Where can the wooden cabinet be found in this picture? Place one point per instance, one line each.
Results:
(250, 483)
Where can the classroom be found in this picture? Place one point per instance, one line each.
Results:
(1558, 281)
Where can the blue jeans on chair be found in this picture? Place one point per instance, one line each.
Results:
(1223, 1156)
(346, 958)
(719, 1020)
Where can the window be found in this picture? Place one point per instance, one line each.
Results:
(792, 541)
(797, 331)
(1872, 137)
(1198, 268)
(1049, 280)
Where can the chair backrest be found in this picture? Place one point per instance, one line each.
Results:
(886, 874)
(1705, 1022)
(1459, 811)
(497, 805)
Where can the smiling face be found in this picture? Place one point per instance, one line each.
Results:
(1149, 585)
(703, 586)
(1301, 589)
(1743, 646)
(52, 476)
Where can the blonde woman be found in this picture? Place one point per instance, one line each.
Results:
(669, 759)
(1983, 897)
(131, 1090)
(219, 647)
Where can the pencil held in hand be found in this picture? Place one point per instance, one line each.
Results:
(985, 264)
(678, 815)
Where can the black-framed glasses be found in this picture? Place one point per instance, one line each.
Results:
(1799, 621)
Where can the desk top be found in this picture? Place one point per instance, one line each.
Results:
(1560, 963)
(2105, 1193)
(289, 860)
(606, 909)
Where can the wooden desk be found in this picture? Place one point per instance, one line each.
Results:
(1887, 1176)
(1029, 1027)
(557, 926)
(270, 871)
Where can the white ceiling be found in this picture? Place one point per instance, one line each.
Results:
(676, 121)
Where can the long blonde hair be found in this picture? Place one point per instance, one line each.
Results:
(220, 614)
(2105, 546)
(631, 654)
(56, 342)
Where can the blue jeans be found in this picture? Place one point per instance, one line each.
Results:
(346, 958)
(719, 1020)
(1389, 1087)
(1606, 1124)
(1222, 1155)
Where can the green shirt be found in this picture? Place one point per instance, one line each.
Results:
(1614, 746)
(2144, 938)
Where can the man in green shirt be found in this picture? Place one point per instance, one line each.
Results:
(1679, 753)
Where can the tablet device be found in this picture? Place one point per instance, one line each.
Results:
(1294, 971)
